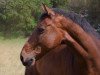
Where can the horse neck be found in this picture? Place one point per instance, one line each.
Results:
(62, 62)
(88, 41)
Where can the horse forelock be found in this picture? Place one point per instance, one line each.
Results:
(43, 16)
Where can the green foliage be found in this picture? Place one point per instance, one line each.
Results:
(59, 3)
(94, 13)
(89, 9)
(16, 16)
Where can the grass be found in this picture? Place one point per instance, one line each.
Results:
(10, 63)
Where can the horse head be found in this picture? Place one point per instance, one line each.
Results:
(46, 36)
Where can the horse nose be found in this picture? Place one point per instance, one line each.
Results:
(27, 61)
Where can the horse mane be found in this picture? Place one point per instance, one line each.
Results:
(75, 18)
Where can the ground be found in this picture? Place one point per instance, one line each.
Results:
(10, 63)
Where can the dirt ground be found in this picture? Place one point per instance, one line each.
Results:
(10, 63)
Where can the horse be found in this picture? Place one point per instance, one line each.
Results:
(62, 44)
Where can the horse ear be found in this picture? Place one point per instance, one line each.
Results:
(47, 10)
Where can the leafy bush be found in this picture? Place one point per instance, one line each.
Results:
(16, 16)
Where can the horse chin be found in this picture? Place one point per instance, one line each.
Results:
(33, 62)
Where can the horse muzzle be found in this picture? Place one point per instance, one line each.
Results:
(28, 58)
(27, 61)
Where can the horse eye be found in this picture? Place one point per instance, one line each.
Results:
(40, 30)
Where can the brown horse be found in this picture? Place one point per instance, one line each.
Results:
(62, 44)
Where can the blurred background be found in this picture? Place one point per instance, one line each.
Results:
(18, 19)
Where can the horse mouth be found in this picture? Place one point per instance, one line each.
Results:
(28, 62)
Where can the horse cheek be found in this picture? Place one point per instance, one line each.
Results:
(53, 39)
(44, 41)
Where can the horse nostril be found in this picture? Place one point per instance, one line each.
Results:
(31, 60)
